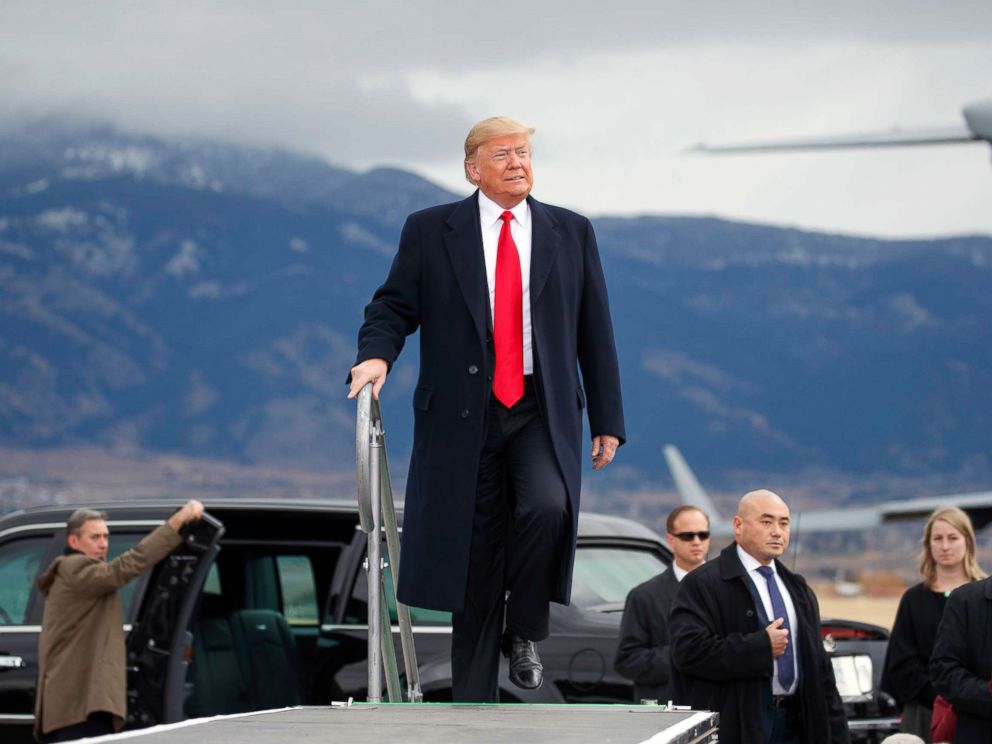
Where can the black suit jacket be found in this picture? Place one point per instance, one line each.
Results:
(961, 664)
(643, 651)
(437, 284)
(722, 655)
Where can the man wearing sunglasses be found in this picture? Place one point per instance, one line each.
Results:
(642, 654)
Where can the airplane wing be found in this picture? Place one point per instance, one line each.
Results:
(893, 138)
(978, 505)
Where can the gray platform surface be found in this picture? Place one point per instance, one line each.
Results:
(440, 723)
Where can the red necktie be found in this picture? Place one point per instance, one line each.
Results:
(508, 319)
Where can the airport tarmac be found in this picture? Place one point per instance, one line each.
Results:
(441, 723)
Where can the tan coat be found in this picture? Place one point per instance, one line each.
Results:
(81, 666)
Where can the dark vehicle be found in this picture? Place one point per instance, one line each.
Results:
(264, 606)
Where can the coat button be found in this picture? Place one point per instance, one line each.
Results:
(473, 370)
(464, 413)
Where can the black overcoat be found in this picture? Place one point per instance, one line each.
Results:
(643, 650)
(961, 664)
(722, 655)
(906, 672)
(437, 283)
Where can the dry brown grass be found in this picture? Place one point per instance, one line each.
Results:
(865, 608)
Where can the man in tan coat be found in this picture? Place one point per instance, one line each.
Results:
(82, 685)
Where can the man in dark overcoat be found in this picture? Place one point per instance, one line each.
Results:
(961, 663)
(643, 650)
(745, 639)
(510, 299)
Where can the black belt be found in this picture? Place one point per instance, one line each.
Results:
(785, 701)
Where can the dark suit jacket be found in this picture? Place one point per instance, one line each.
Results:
(643, 654)
(961, 664)
(722, 656)
(437, 284)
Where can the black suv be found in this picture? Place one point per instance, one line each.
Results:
(264, 606)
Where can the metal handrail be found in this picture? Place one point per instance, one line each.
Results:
(377, 514)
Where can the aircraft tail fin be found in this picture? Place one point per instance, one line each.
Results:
(690, 491)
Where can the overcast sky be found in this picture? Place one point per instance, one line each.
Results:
(616, 90)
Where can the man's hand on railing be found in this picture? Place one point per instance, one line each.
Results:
(371, 370)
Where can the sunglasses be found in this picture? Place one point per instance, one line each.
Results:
(690, 536)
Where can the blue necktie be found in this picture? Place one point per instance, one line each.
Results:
(785, 662)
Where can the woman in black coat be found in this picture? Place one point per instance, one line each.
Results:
(947, 561)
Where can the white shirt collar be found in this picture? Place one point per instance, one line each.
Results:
(751, 563)
(490, 212)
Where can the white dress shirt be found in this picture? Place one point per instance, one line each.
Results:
(751, 565)
(520, 230)
(680, 573)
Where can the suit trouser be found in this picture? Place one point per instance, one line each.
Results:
(786, 727)
(518, 531)
(783, 725)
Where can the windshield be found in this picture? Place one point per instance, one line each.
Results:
(604, 576)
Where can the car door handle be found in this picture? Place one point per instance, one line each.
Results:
(11, 662)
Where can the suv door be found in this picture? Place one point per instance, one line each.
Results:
(158, 644)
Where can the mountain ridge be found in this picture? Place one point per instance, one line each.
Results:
(203, 299)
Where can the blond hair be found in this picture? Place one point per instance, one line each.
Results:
(960, 521)
(487, 129)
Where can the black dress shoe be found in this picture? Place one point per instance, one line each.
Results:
(526, 670)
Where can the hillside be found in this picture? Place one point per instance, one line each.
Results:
(202, 300)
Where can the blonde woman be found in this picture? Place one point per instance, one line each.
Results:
(947, 561)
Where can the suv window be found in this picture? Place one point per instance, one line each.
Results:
(604, 575)
(418, 615)
(298, 588)
(120, 542)
(602, 578)
(356, 612)
(20, 564)
(211, 585)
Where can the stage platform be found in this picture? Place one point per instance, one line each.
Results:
(440, 723)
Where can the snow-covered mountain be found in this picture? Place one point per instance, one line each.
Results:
(203, 298)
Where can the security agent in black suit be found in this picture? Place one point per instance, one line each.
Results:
(492, 500)
(643, 652)
(745, 639)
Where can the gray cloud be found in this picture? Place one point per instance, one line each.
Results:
(296, 80)
(616, 90)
